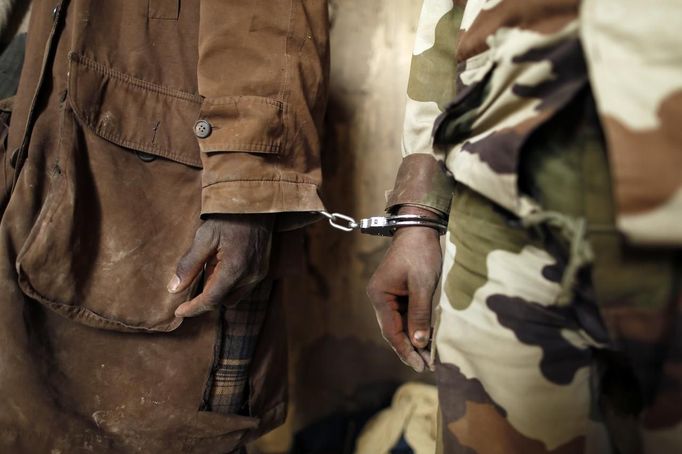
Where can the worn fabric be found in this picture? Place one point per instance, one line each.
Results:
(14, 16)
(554, 333)
(516, 64)
(6, 173)
(255, 72)
(412, 415)
(627, 43)
(11, 60)
(520, 371)
(423, 179)
(234, 349)
(109, 182)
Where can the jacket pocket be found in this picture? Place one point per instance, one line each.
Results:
(123, 204)
(473, 84)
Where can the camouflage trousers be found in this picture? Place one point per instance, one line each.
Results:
(552, 335)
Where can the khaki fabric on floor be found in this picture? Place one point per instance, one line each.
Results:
(412, 414)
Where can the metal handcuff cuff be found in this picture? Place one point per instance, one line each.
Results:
(383, 225)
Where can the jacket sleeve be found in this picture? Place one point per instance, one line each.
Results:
(422, 179)
(262, 71)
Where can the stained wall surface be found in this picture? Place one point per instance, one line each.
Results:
(339, 362)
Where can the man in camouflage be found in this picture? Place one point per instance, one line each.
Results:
(558, 327)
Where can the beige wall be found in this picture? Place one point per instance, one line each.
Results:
(336, 348)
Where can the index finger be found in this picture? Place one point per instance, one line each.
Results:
(392, 329)
(219, 283)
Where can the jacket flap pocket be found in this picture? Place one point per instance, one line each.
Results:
(112, 227)
(456, 121)
(109, 233)
(134, 113)
(251, 124)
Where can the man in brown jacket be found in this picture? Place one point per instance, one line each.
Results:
(154, 141)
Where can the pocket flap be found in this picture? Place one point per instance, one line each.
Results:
(112, 227)
(134, 113)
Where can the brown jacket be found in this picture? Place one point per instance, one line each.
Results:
(133, 118)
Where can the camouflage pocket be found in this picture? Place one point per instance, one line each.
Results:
(477, 228)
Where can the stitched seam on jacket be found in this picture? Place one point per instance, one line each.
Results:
(261, 181)
(268, 147)
(136, 146)
(287, 57)
(133, 145)
(284, 94)
(134, 81)
(116, 138)
(234, 100)
(84, 313)
(251, 147)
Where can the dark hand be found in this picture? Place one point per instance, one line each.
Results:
(234, 250)
(402, 288)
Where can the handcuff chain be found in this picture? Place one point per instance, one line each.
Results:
(350, 223)
(382, 225)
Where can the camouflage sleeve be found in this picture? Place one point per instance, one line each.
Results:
(422, 179)
(636, 75)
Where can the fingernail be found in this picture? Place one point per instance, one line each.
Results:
(174, 284)
(421, 337)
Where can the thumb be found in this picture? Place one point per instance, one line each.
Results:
(192, 263)
(419, 313)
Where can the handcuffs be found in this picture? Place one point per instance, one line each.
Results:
(383, 225)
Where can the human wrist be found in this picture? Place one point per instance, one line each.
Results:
(419, 211)
(264, 221)
(419, 230)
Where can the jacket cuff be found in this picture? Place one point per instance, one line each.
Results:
(297, 203)
(245, 153)
(260, 197)
(422, 181)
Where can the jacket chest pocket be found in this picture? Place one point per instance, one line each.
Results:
(164, 9)
(123, 203)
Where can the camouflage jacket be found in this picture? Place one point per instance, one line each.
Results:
(489, 72)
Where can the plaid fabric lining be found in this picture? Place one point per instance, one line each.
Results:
(227, 390)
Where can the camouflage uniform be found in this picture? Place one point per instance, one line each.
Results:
(559, 324)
